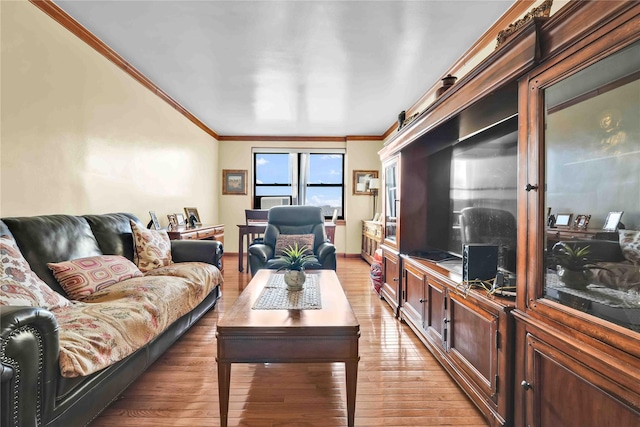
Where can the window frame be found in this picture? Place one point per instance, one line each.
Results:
(297, 169)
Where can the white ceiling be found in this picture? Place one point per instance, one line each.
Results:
(285, 68)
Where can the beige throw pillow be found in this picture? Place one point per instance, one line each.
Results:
(152, 247)
(19, 285)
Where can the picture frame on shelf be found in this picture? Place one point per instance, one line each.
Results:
(581, 222)
(173, 221)
(154, 221)
(613, 221)
(361, 180)
(234, 181)
(192, 211)
(563, 220)
(180, 219)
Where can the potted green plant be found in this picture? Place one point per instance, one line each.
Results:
(573, 265)
(294, 259)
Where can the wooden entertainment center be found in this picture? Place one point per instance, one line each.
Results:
(529, 359)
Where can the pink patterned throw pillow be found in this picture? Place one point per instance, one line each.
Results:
(83, 276)
(285, 240)
(153, 247)
(19, 285)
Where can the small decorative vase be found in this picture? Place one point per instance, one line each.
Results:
(574, 279)
(447, 82)
(294, 279)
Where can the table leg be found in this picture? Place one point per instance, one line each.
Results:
(240, 251)
(224, 380)
(351, 374)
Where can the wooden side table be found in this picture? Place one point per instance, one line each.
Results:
(199, 232)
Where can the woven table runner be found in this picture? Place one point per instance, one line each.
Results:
(275, 295)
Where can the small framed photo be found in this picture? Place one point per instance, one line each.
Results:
(581, 222)
(180, 219)
(192, 211)
(362, 180)
(154, 221)
(173, 221)
(234, 181)
(563, 220)
(612, 221)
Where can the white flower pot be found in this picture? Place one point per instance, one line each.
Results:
(294, 279)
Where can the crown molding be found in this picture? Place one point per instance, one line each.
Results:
(64, 19)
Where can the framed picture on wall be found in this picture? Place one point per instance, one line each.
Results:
(361, 179)
(234, 181)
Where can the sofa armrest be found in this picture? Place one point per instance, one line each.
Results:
(209, 251)
(259, 254)
(261, 251)
(29, 354)
(327, 255)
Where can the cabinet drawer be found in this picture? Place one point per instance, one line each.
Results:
(206, 234)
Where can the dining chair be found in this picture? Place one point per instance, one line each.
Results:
(255, 216)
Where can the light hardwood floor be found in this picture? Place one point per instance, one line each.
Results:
(399, 382)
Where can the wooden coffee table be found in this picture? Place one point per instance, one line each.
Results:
(329, 334)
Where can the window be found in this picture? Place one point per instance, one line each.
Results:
(301, 178)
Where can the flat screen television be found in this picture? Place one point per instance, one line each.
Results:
(471, 194)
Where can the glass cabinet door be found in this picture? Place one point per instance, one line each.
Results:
(592, 189)
(391, 201)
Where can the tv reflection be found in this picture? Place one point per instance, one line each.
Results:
(484, 225)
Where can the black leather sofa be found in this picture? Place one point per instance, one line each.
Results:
(32, 390)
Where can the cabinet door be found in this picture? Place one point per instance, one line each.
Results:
(561, 391)
(391, 279)
(413, 300)
(473, 342)
(589, 151)
(435, 312)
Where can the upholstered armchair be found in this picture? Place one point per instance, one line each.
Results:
(287, 225)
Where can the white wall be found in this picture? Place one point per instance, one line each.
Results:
(78, 135)
(360, 155)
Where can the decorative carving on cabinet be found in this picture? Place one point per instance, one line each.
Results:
(541, 11)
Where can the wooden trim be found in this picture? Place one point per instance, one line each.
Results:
(300, 138)
(346, 255)
(61, 17)
(514, 58)
(364, 137)
(281, 138)
(517, 9)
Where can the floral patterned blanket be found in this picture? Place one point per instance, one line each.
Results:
(111, 324)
